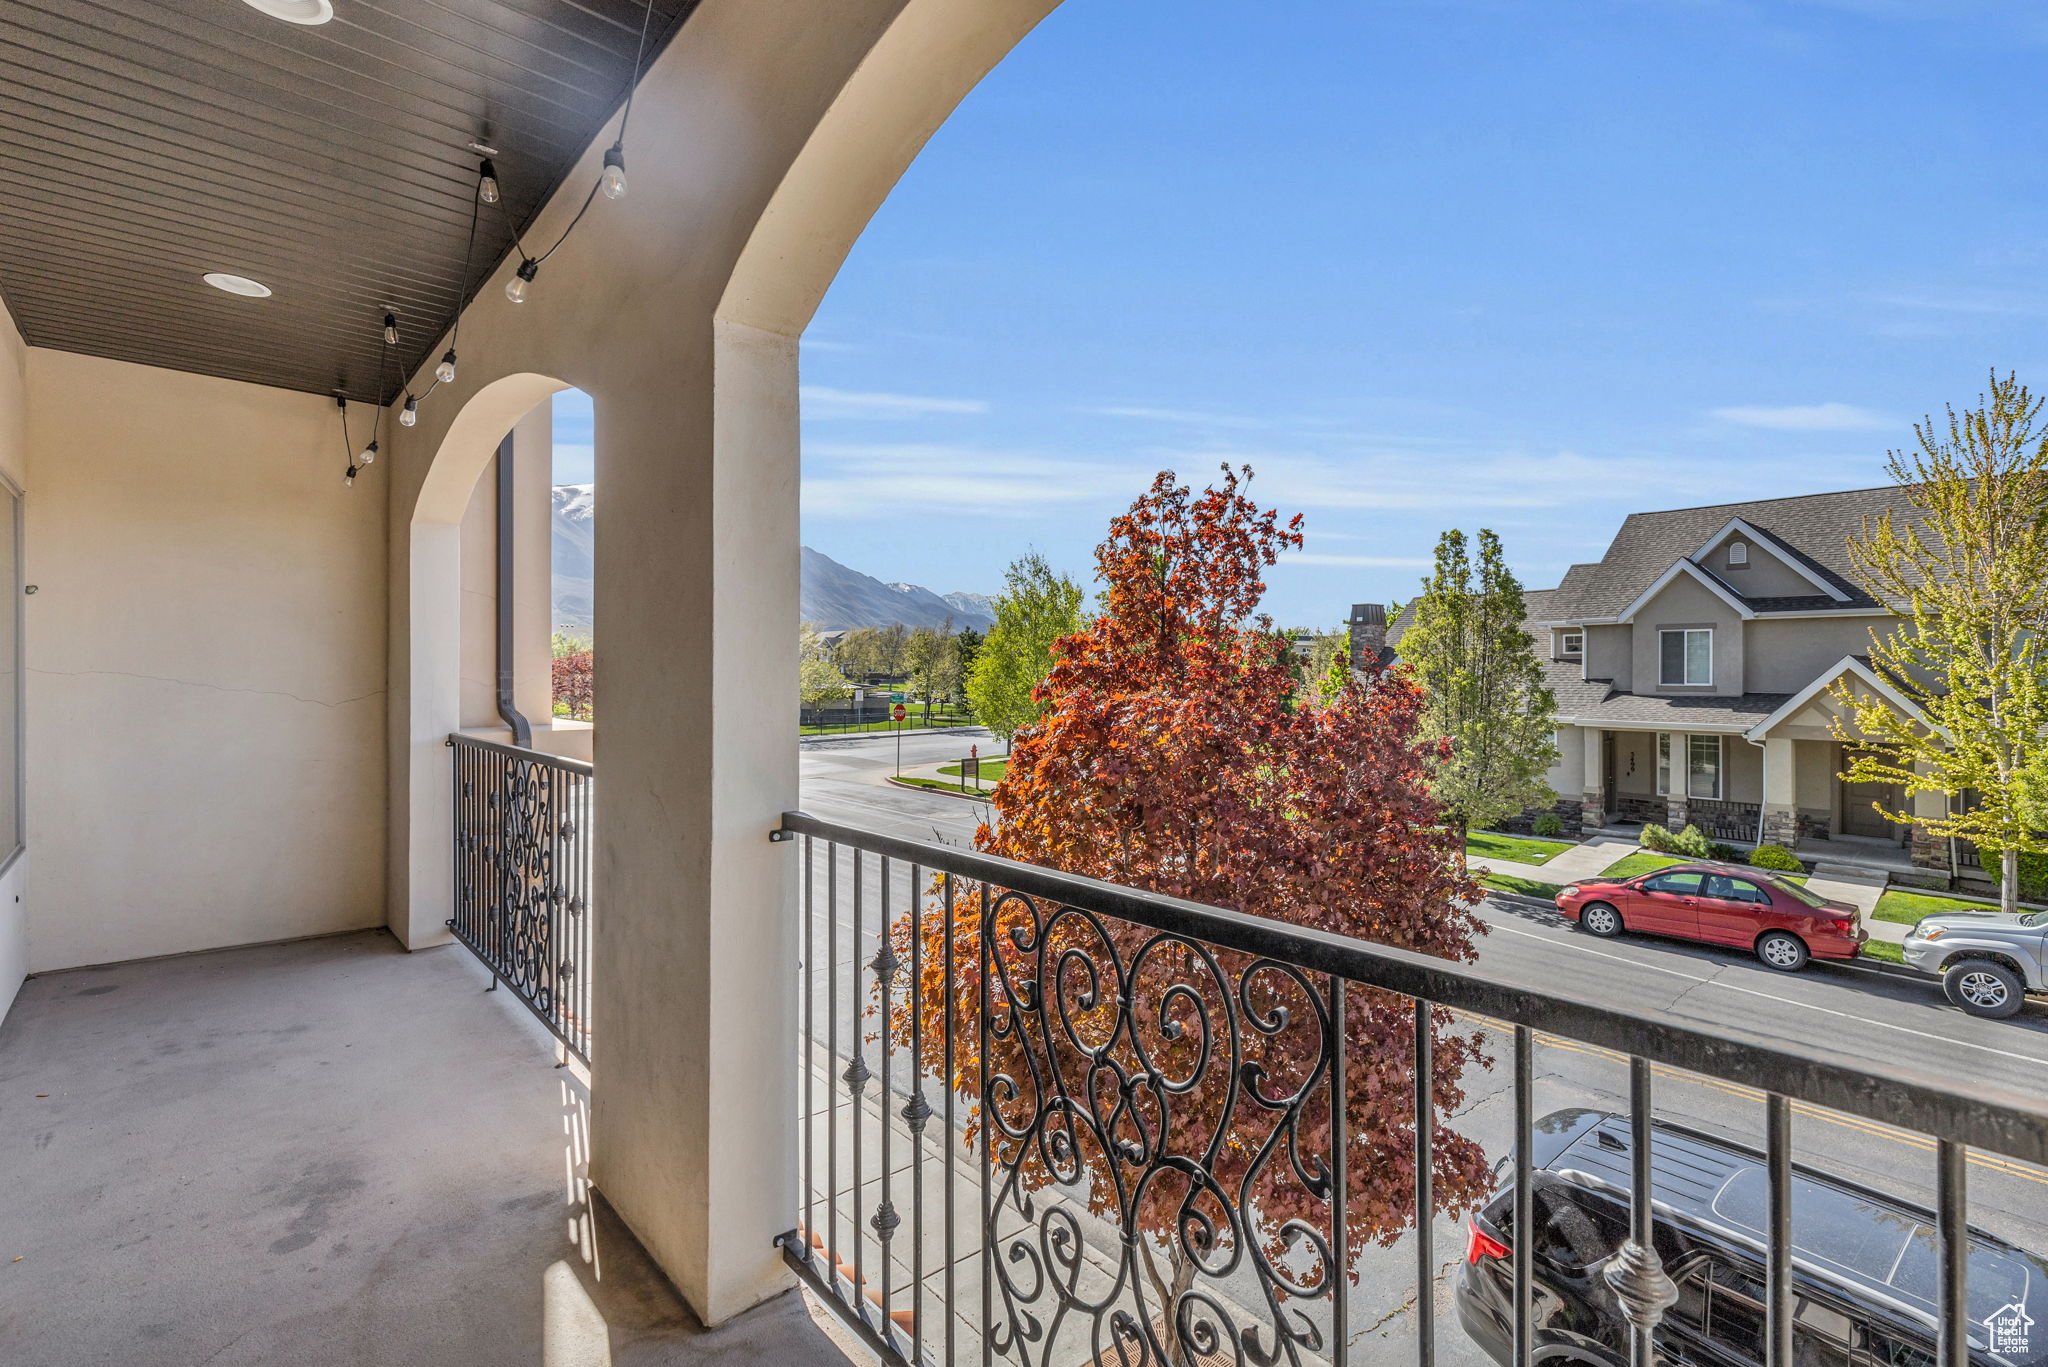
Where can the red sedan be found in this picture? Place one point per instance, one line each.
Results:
(1720, 904)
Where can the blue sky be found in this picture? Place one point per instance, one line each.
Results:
(1428, 264)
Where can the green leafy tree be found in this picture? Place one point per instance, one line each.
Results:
(1325, 666)
(818, 680)
(1967, 569)
(966, 645)
(1487, 698)
(1037, 607)
(932, 663)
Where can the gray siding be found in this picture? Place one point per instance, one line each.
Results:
(1684, 602)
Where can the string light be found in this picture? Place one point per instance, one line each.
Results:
(515, 288)
(611, 182)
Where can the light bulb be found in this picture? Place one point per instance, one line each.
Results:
(350, 478)
(369, 456)
(445, 372)
(487, 182)
(410, 414)
(614, 178)
(515, 288)
(390, 330)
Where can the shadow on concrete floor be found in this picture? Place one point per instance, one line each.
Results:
(324, 1152)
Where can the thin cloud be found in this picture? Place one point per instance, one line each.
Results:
(1366, 562)
(820, 402)
(1816, 417)
(1179, 417)
(852, 480)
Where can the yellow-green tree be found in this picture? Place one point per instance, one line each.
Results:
(1036, 608)
(1966, 567)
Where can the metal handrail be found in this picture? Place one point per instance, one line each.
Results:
(1958, 1111)
(574, 766)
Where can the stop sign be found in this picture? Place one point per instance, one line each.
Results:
(898, 712)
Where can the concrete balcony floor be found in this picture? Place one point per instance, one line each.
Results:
(323, 1152)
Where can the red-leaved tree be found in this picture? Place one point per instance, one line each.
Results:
(576, 684)
(1181, 1090)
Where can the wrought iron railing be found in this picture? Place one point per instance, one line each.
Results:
(1000, 1064)
(522, 877)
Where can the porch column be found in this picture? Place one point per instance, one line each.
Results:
(1681, 781)
(1593, 804)
(1781, 792)
(1930, 851)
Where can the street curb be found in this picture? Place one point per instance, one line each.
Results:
(1518, 899)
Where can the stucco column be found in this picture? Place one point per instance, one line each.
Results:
(1930, 851)
(1593, 803)
(692, 1128)
(533, 448)
(1781, 792)
(1681, 781)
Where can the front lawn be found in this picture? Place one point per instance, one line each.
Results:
(1882, 949)
(937, 785)
(1516, 849)
(1642, 861)
(1907, 908)
(1526, 887)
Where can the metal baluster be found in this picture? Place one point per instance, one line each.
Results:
(856, 1078)
(1425, 1188)
(1525, 1194)
(1340, 1180)
(1778, 1239)
(810, 989)
(948, 1145)
(1951, 1223)
(988, 1130)
(885, 1218)
(1636, 1272)
(832, 1060)
(916, 1112)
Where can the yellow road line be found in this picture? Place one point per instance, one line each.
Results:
(1990, 1161)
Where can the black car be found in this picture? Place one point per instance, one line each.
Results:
(1864, 1265)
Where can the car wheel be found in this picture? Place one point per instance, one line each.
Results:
(1600, 919)
(1782, 950)
(1984, 988)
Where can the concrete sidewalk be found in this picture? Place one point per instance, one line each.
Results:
(1580, 861)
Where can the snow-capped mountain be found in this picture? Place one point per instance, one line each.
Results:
(834, 597)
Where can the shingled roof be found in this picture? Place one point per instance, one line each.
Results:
(1814, 529)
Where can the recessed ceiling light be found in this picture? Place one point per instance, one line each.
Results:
(295, 11)
(237, 284)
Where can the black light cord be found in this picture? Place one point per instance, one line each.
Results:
(625, 115)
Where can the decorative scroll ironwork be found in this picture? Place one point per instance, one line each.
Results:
(522, 878)
(1156, 1082)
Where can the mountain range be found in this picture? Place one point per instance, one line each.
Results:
(834, 596)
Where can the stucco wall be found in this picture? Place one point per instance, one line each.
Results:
(1684, 602)
(206, 665)
(1607, 655)
(14, 960)
(1786, 656)
(1765, 576)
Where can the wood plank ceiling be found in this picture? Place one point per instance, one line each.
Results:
(144, 143)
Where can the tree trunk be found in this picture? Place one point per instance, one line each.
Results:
(2009, 881)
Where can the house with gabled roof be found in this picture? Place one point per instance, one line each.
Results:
(1693, 665)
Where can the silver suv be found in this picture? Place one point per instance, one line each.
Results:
(1987, 960)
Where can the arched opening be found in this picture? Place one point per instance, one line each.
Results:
(450, 641)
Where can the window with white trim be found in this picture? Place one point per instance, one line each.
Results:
(1738, 554)
(1703, 767)
(1571, 643)
(1663, 763)
(1685, 657)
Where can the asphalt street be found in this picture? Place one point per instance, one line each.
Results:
(1860, 1014)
